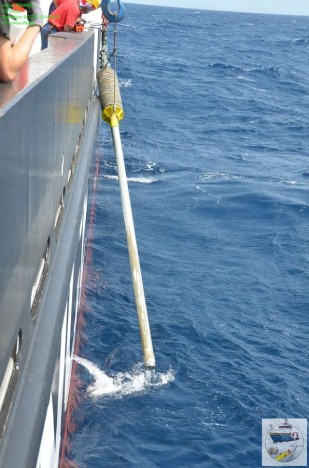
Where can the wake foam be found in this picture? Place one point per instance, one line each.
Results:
(139, 180)
(123, 383)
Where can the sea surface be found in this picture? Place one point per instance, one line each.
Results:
(216, 145)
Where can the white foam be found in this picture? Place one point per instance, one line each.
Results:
(138, 180)
(151, 165)
(101, 379)
(125, 83)
(299, 39)
(123, 383)
(218, 176)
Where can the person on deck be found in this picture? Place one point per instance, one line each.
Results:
(14, 56)
(65, 16)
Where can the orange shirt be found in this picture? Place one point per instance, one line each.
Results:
(65, 14)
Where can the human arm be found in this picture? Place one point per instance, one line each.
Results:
(12, 58)
(68, 28)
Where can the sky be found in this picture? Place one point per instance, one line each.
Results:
(286, 7)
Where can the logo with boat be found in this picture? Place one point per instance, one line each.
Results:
(284, 442)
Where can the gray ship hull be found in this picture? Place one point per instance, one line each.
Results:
(49, 117)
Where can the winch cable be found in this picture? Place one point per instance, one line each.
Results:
(112, 112)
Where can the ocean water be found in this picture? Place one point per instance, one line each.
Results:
(216, 146)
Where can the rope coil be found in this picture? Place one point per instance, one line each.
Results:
(109, 94)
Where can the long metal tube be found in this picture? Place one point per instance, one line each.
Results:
(144, 327)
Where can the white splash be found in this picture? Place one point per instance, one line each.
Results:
(123, 383)
(125, 83)
(299, 40)
(138, 180)
(101, 379)
(218, 176)
(151, 165)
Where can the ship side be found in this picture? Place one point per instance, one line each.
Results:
(49, 118)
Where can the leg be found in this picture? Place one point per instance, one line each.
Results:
(46, 30)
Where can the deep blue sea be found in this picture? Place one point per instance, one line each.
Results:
(216, 145)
